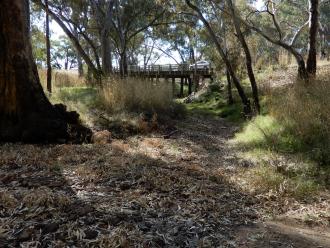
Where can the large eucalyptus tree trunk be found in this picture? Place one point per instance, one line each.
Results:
(25, 112)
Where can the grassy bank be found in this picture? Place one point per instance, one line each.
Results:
(291, 142)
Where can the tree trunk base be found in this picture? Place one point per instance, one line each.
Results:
(36, 128)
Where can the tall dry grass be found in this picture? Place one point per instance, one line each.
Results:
(61, 79)
(304, 110)
(291, 143)
(136, 94)
(298, 119)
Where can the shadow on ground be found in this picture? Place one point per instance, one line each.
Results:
(133, 193)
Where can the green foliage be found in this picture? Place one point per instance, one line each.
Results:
(304, 110)
(63, 54)
(298, 122)
(215, 104)
(38, 45)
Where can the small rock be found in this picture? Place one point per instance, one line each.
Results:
(84, 210)
(24, 235)
(101, 137)
(125, 186)
(91, 234)
(8, 178)
(49, 228)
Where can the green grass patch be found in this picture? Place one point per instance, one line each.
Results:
(214, 104)
(269, 179)
(83, 95)
(80, 99)
(289, 143)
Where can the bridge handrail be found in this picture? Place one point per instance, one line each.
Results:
(162, 68)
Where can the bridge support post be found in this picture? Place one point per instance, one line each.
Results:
(181, 87)
(173, 86)
(196, 83)
(189, 85)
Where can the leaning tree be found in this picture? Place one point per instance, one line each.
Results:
(25, 112)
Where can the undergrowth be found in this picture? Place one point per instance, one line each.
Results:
(61, 78)
(135, 94)
(297, 126)
(213, 103)
(122, 106)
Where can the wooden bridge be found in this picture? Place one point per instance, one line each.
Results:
(187, 74)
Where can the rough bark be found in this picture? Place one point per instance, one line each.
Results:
(49, 66)
(106, 53)
(25, 112)
(313, 29)
(230, 99)
(123, 62)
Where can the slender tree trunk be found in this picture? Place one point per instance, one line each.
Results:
(106, 53)
(25, 112)
(49, 65)
(247, 105)
(302, 71)
(75, 18)
(74, 40)
(80, 65)
(313, 28)
(78, 56)
(229, 89)
(248, 58)
(123, 63)
(181, 87)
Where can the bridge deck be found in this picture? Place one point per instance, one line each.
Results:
(168, 71)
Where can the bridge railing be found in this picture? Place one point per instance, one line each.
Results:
(163, 69)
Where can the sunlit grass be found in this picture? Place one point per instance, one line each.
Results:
(269, 179)
(62, 78)
(290, 142)
(136, 94)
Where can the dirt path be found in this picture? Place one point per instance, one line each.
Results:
(145, 191)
